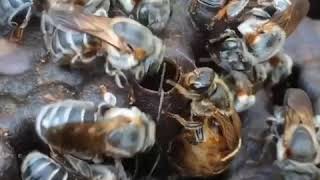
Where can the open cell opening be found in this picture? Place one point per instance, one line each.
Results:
(153, 81)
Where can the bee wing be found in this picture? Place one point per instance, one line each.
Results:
(13, 58)
(73, 18)
(299, 108)
(291, 18)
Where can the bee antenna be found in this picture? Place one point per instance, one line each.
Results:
(161, 92)
(156, 162)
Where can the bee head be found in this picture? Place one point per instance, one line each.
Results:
(267, 41)
(200, 79)
(134, 132)
(302, 147)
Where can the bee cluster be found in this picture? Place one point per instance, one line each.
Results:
(157, 96)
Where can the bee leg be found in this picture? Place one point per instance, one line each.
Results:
(225, 34)
(283, 67)
(230, 10)
(78, 165)
(121, 171)
(108, 97)
(183, 90)
(117, 74)
(280, 150)
(190, 125)
(17, 34)
(273, 124)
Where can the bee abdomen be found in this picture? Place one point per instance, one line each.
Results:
(72, 44)
(65, 112)
(37, 166)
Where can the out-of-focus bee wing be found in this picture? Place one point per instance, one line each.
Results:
(13, 58)
(299, 107)
(74, 19)
(291, 18)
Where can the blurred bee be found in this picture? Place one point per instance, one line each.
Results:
(89, 6)
(41, 167)
(265, 28)
(15, 14)
(128, 45)
(206, 90)
(230, 10)
(70, 47)
(154, 14)
(89, 132)
(257, 57)
(221, 142)
(299, 141)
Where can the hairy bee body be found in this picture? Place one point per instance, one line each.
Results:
(81, 129)
(15, 13)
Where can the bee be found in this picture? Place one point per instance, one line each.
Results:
(89, 132)
(128, 45)
(221, 142)
(265, 28)
(39, 166)
(257, 54)
(15, 14)
(298, 142)
(154, 14)
(230, 10)
(69, 47)
(89, 7)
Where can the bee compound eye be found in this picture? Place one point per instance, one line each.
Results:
(125, 138)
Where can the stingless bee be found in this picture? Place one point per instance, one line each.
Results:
(208, 94)
(15, 14)
(221, 142)
(299, 141)
(70, 47)
(41, 167)
(154, 14)
(85, 131)
(128, 45)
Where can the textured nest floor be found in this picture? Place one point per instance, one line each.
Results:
(21, 96)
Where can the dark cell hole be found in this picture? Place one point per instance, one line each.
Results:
(314, 12)
(20, 16)
(153, 81)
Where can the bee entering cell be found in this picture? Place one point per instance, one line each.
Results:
(168, 70)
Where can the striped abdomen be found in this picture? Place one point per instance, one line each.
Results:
(63, 113)
(37, 166)
(70, 47)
